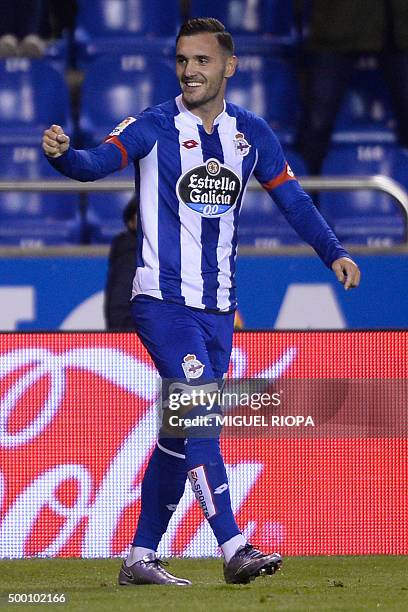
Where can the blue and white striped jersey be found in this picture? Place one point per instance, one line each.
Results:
(192, 185)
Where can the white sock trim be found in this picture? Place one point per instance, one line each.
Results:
(136, 554)
(230, 547)
(169, 452)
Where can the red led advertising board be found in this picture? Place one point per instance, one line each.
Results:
(78, 420)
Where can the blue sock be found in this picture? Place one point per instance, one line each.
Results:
(208, 478)
(162, 488)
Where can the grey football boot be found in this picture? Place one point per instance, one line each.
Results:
(150, 570)
(248, 563)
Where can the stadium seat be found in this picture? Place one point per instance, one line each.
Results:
(122, 85)
(104, 211)
(58, 52)
(268, 87)
(32, 96)
(255, 25)
(116, 26)
(35, 218)
(261, 222)
(365, 217)
(366, 114)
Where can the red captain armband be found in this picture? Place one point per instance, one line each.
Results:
(286, 175)
(115, 141)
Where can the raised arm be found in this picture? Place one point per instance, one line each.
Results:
(132, 139)
(82, 165)
(54, 142)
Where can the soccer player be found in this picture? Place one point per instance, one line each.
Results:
(193, 158)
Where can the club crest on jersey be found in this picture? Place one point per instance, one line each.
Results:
(192, 367)
(210, 189)
(241, 145)
(122, 125)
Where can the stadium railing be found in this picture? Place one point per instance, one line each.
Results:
(380, 183)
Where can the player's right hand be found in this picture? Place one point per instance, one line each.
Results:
(54, 141)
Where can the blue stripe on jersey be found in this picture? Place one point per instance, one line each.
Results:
(168, 156)
(232, 291)
(210, 228)
(247, 167)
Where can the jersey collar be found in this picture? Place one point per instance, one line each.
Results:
(192, 117)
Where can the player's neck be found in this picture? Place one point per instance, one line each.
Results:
(208, 114)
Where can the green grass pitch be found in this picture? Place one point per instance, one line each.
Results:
(303, 584)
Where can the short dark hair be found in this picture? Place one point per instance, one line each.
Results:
(199, 25)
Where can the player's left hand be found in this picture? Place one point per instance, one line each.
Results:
(347, 272)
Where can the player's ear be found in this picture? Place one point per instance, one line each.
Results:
(230, 66)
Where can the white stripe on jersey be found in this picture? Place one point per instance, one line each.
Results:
(192, 283)
(147, 279)
(225, 251)
(226, 128)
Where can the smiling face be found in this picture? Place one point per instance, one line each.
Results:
(202, 67)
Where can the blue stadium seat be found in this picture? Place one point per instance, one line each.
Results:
(122, 85)
(366, 113)
(131, 26)
(268, 87)
(104, 211)
(255, 25)
(35, 219)
(32, 96)
(261, 222)
(365, 217)
(58, 52)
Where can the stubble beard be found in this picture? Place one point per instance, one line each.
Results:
(207, 98)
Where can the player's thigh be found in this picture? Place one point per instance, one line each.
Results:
(220, 345)
(174, 339)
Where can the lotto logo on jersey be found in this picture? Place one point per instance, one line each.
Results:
(211, 189)
(122, 125)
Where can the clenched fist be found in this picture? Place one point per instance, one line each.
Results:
(54, 141)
